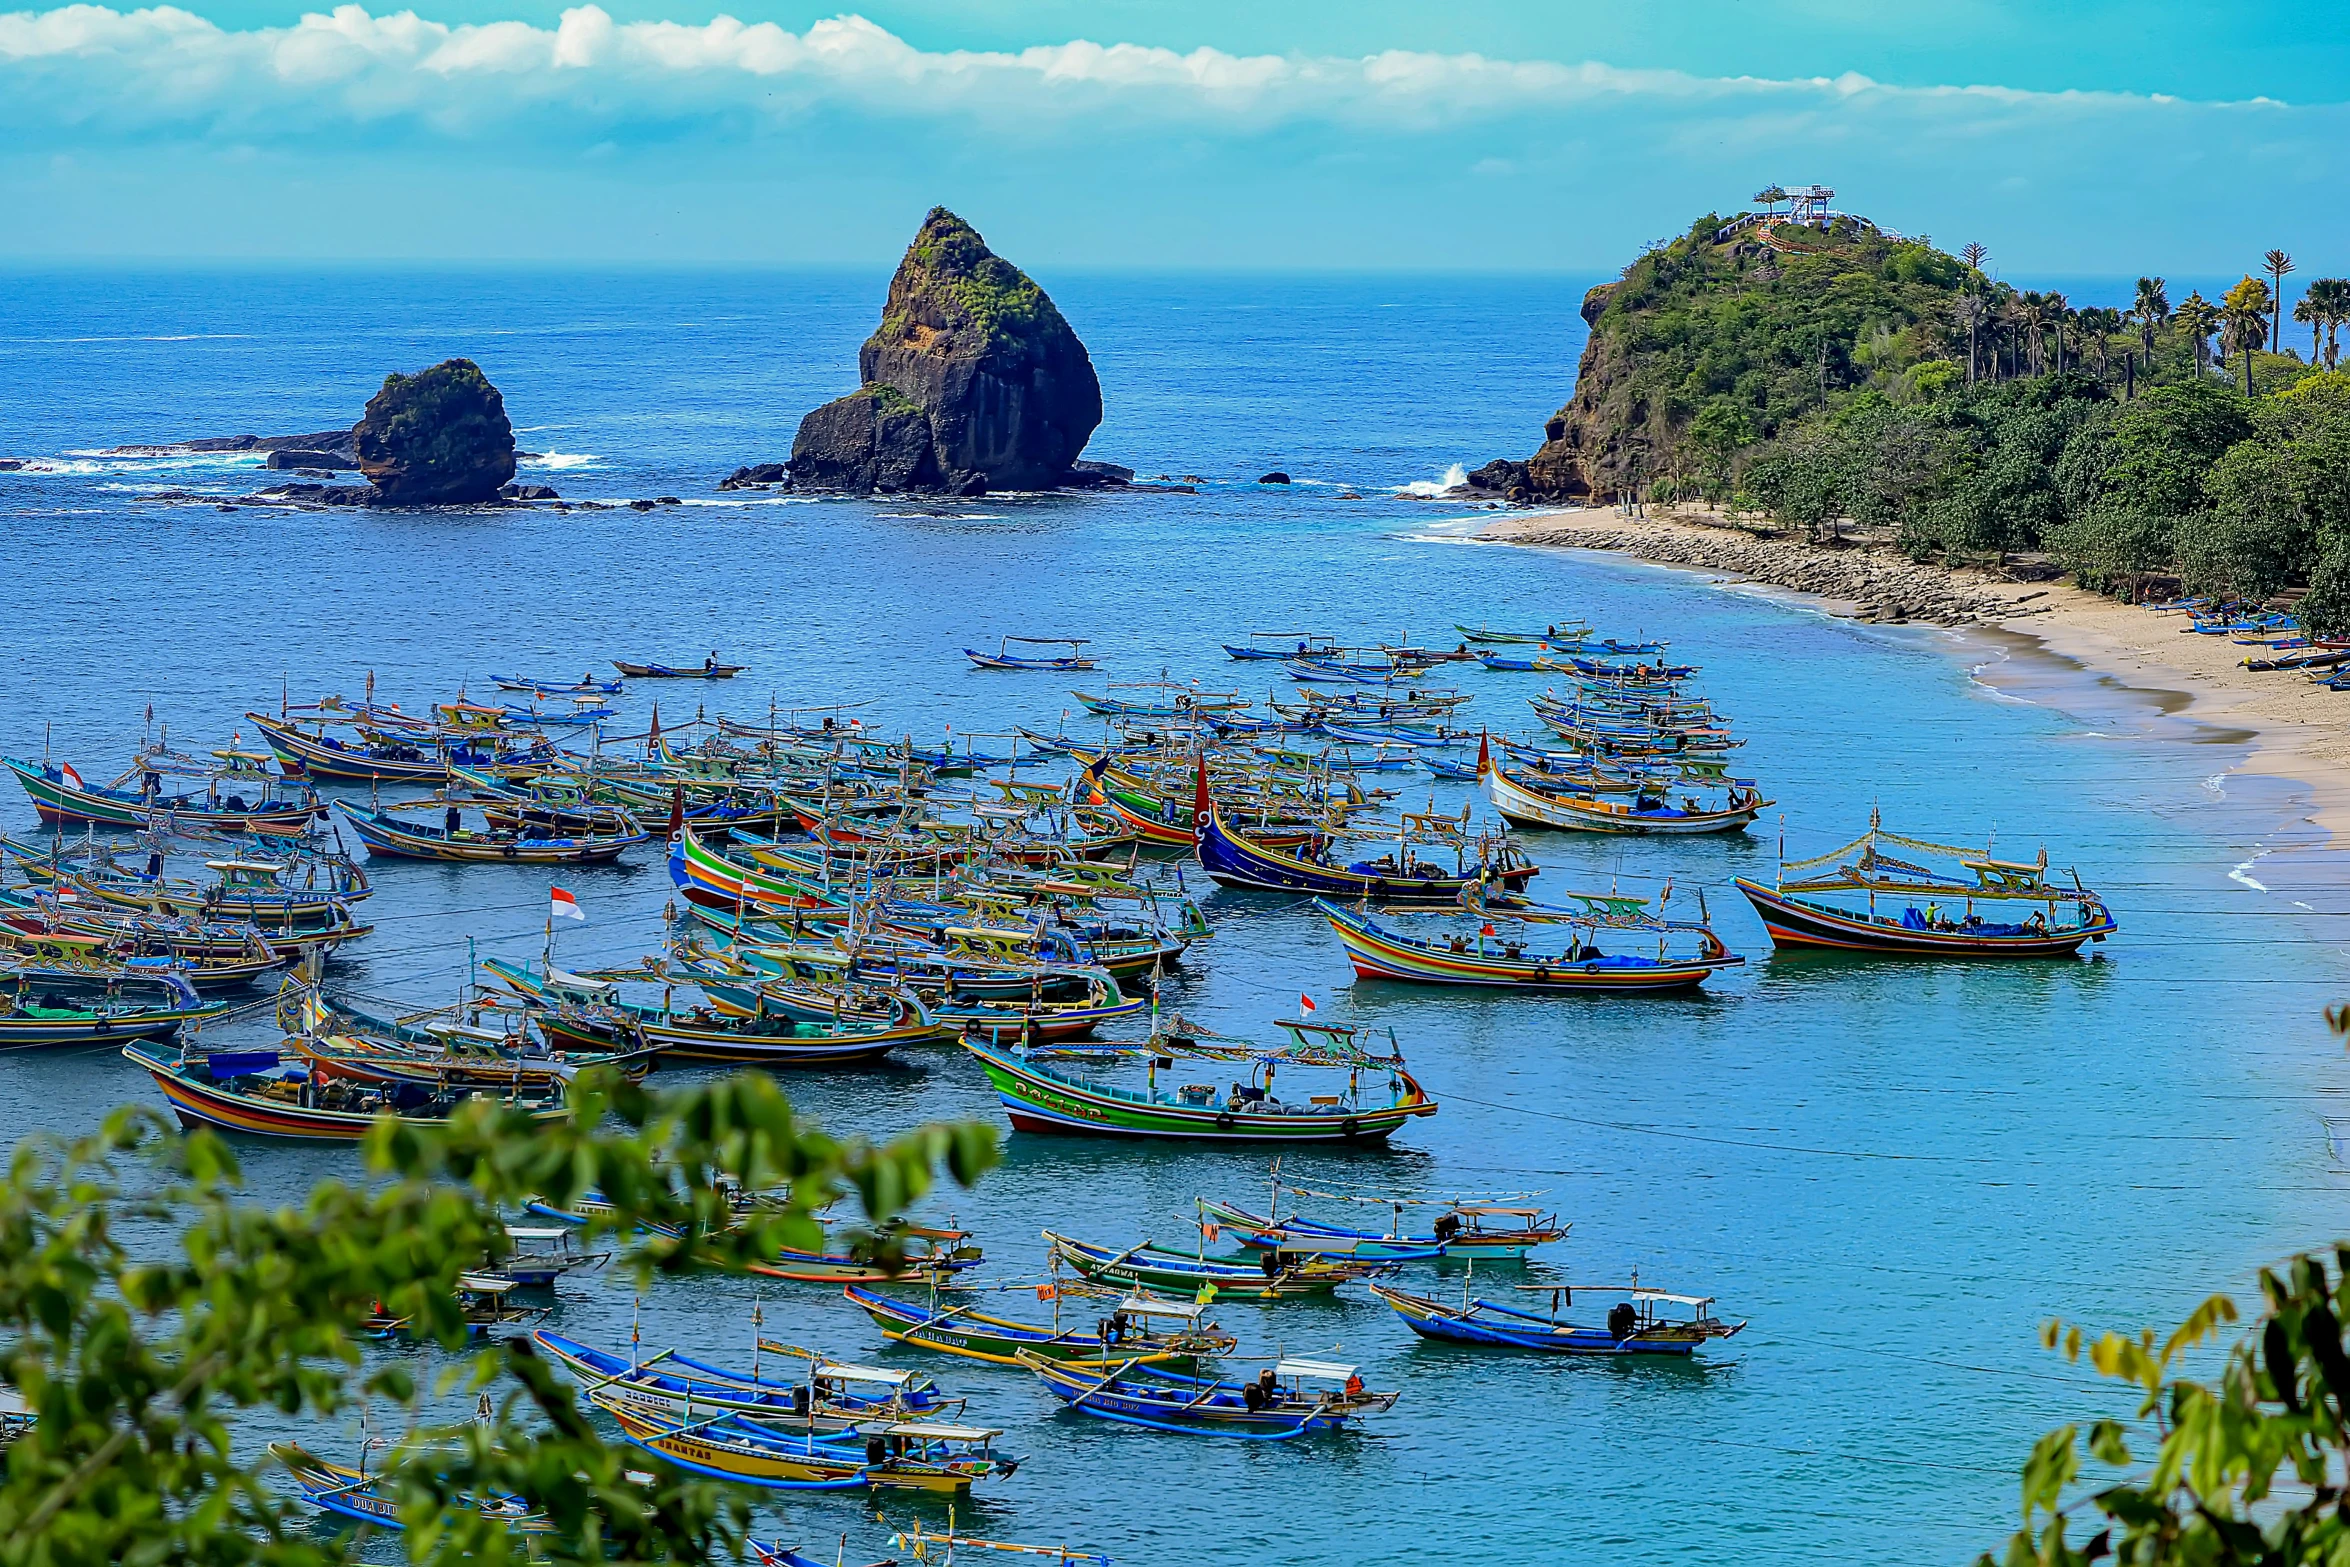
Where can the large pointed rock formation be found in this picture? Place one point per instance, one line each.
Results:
(971, 383)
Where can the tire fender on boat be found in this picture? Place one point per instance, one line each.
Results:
(1350, 1128)
(1225, 1121)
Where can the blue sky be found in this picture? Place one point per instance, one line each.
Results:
(2089, 138)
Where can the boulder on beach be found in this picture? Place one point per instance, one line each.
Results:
(972, 382)
(327, 460)
(439, 437)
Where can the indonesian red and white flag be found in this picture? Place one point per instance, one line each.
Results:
(71, 776)
(562, 905)
(1305, 1003)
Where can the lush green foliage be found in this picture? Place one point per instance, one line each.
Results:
(136, 1357)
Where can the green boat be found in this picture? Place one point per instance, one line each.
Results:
(1139, 1328)
(1273, 1274)
(1039, 1098)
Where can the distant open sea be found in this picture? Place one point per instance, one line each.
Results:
(1895, 1172)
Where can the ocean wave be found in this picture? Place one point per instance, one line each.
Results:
(561, 460)
(2236, 873)
(758, 500)
(1454, 477)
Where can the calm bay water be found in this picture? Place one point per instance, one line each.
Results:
(1895, 1172)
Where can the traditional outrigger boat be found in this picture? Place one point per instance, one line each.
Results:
(585, 685)
(360, 1497)
(256, 890)
(1276, 1405)
(1039, 1098)
(1185, 702)
(1636, 1325)
(1005, 658)
(826, 1396)
(1650, 812)
(1271, 1275)
(900, 1455)
(54, 1021)
(377, 754)
(386, 834)
(1298, 644)
(61, 798)
(1462, 1231)
(942, 1547)
(1132, 1329)
(936, 1255)
(1507, 962)
(246, 1091)
(709, 669)
(1800, 913)
(1233, 857)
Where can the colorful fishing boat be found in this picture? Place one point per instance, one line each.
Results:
(1508, 963)
(1004, 658)
(1816, 908)
(1136, 1326)
(1234, 857)
(54, 1021)
(1041, 1097)
(1295, 644)
(1291, 1398)
(925, 1546)
(1499, 1232)
(61, 798)
(821, 1394)
(360, 1497)
(1640, 1323)
(1272, 1275)
(376, 755)
(248, 1091)
(389, 833)
(1649, 812)
(897, 1455)
(928, 1253)
(585, 685)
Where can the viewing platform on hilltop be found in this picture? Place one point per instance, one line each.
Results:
(1807, 208)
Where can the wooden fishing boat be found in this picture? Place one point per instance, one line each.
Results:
(1234, 857)
(1005, 658)
(387, 834)
(1493, 638)
(898, 1455)
(1636, 1325)
(822, 1395)
(31, 952)
(254, 890)
(55, 1021)
(1301, 644)
(762, 1039)
(709, 669)
(1815, 908)
(1379, 952)
(1039, 1098)
(585, 685)
(1273, 1275)
(1463, 1231)
(929, 1253)
(1291, 1398)
(1139, 1327)
(340, 1038)
(360, 1497)
(61, 798)
(541, 1255)
(927, 1546)
(246, 1091)
(1496, 663)
(373, 755)
(1185, 703)
(1648, 813)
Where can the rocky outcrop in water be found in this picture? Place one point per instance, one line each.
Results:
(439, 437)
(972, 382)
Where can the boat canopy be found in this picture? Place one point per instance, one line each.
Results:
(1313, 1370)
(519, 1233)
(924, 1431)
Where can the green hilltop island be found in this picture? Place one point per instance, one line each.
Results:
(1818, 371)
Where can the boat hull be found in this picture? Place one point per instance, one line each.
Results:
(1522, 807)
(1037, 1101)
(1380, 954)
(1799, 923)
(1234, 860)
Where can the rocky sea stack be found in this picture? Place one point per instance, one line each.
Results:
(971, 383)
(439, 437)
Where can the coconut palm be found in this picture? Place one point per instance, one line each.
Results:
(2333, 307)
(2244, 313)
(2150, 310)
(2100, 323)
(1968, 309)
(2277, 264)
(2198, 318)
(2309, 310)
(2031, 316)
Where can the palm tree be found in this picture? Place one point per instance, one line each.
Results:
(2101, 323)
(2309, 310)
(1969, 309)
(2031, 314)
(2244, 313)
(2150, 310)
(2278, 264)
(2333, 307)
(2197, 317)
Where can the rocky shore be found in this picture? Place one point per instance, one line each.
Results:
(1868, 582)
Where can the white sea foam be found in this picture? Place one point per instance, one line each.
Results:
(561, 460)
(2237, 874)
(1454, 476)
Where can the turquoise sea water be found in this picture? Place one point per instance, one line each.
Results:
(1894, 1172)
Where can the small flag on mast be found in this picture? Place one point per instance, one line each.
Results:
(562, 905)
(71, 776)
(1305, 1003)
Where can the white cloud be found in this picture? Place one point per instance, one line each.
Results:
(100, 70)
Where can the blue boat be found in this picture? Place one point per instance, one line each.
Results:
(1005, 658)
(1289, 1399)
(1233, 859)
(1636, 1325)
(1500, 665)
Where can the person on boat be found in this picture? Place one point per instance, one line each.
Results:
(1268, 1386)
(1933, 916)
(2037, 924)
(711, 662)
(1354, 1384)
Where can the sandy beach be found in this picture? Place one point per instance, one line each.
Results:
(2300, 730)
